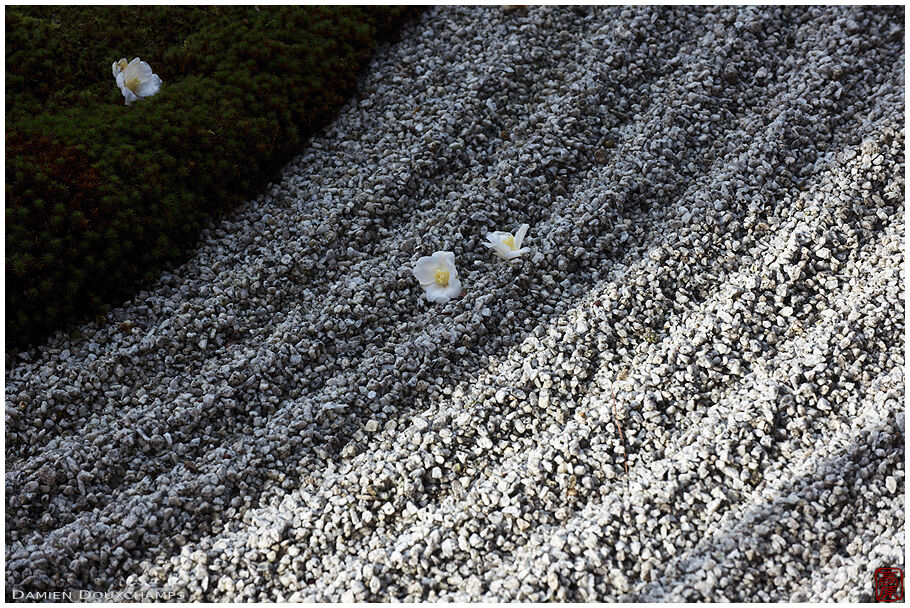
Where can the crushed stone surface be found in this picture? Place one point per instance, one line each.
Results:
(716, 208)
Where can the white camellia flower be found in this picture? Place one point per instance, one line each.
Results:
(437, 275)
(505, 245)
(135, 79)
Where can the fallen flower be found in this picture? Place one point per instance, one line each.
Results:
(438, 276)
(135, 79)
(505, 245)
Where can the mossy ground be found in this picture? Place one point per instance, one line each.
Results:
(99, 195)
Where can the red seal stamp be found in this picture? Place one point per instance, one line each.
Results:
(889, 584)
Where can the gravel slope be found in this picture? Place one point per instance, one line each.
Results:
(716, 204)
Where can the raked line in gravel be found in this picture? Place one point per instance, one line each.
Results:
(715, 203)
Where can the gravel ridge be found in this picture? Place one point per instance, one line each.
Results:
(715, 199)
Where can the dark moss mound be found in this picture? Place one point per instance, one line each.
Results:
(100, 195)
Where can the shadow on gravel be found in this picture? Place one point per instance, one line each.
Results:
(768, 534)
(332, 427)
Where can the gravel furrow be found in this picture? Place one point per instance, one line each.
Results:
(716, 203)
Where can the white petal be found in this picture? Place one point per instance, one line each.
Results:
(520, 235)
(424, 270)
(502, 250)
(446, 259)
(454, 288)
(143, 70)
(441, 295)
(128, 95)
(497, 243)
(149, 87)
(131, 72)
(438, 293)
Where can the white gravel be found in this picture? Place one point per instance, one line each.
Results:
(716, 207)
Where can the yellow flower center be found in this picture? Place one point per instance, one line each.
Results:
(133, 83)
(510, 241)
(441, 277)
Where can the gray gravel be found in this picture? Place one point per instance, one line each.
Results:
(716, 206)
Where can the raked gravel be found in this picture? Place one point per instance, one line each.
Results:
(716, 202)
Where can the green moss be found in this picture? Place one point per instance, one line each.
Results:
(100, 195)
